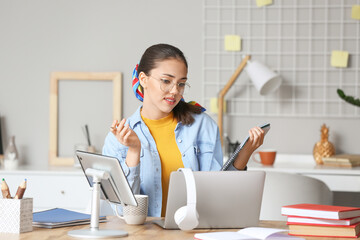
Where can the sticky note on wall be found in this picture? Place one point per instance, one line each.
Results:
(232, 43)
(261, 3)
(339, 58)
(214, 107)
(355, 12)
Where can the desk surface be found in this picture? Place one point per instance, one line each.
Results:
(147, 231)
(283, 163)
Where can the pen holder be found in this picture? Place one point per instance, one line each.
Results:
(16, 215)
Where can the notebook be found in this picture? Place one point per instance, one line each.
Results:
(256, 233)
(265, 127)
(225, 199)
(59, 217)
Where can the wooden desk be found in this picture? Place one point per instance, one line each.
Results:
(147, 231)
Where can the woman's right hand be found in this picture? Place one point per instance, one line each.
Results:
(127, 137)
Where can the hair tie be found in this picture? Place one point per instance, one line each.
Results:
(196, 104)
(136, 84)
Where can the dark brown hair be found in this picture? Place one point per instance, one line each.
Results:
(160, 52)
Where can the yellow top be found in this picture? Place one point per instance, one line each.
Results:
(163, 132)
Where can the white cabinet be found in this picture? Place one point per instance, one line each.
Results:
(337, 179)
(51, 188)
(340, 183)
(343, 182)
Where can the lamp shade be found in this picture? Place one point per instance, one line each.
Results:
(265, 80)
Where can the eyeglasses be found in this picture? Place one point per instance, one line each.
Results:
(166, 85)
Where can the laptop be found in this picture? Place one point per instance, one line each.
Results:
(225, 199)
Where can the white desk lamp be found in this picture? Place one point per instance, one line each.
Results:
(265, 81)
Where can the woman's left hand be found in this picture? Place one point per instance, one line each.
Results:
(256, 139)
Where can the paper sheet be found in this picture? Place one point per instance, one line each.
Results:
(339, 59)
(261, 3)
(355, 12)
(232, 43)
(214, 105)
(248, 233)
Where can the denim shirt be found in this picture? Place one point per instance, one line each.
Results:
(199, 144)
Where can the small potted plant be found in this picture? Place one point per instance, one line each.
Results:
(348, 99)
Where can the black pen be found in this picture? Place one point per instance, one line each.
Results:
(87, 134)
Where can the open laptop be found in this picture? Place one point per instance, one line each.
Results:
(225, 199)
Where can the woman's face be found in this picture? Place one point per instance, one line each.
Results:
(163, 88)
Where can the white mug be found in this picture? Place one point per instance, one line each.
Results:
(135, 215)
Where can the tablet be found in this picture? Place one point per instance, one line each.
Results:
(265, 127)
(116, 189)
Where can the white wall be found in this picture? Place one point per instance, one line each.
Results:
(42, 36)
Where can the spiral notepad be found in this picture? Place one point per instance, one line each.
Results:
(265, 127)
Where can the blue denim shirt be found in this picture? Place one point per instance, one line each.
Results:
(199, 144)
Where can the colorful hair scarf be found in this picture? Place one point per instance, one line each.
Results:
(139, 93)
(136, 84)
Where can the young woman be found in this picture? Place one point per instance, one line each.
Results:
(166, 133)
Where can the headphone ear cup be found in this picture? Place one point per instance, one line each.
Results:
(180, 215)
(186, 218)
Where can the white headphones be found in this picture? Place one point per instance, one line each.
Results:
(187, 217)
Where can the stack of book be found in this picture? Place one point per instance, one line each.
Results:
(342, 160)
(322, 220)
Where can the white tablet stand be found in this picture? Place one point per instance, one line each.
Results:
(94, 231)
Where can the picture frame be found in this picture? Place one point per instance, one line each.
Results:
(56, 77)
(1, 142)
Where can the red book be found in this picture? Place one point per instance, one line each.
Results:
(320, 211)
(351, 231)
(322, 221)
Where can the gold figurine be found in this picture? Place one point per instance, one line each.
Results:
(323, 148)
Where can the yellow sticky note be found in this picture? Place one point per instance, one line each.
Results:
(232, 43)
(214, 105)
(355, 12)
(261, 3)
(339, 58)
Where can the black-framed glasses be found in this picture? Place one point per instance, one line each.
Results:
(166, 85)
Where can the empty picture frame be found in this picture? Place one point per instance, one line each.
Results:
(56, 77)
(1, 143)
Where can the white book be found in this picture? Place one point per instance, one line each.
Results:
(248, 233)
(319, 221)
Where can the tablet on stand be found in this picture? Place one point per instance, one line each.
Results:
(108, 181)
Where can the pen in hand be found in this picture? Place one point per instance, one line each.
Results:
(5, 189)
(21, 189)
